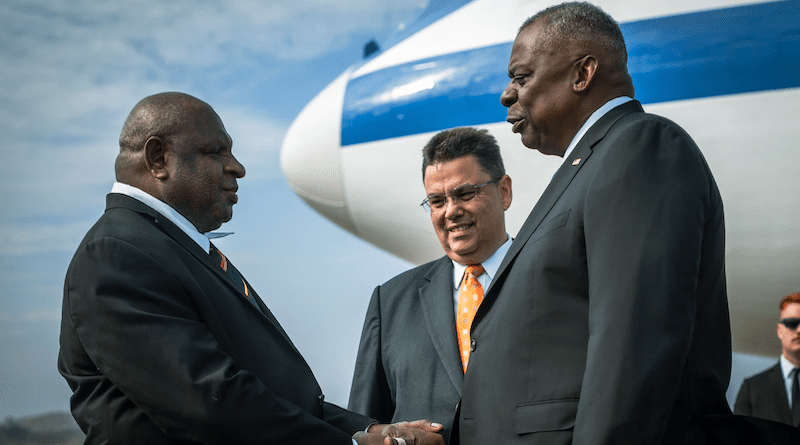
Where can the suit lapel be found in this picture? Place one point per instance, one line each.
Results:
(437, 302)
(561, 180)
(171, 230)
(552, 193)
(119, 200)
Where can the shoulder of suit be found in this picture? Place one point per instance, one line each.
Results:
(653, 120)
(420, 272)
(767, 374)
(132, 222)
(644, 126)
(118, 200)
(123, 215)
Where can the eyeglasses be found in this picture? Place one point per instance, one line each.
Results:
(791, 323)
(464, 194)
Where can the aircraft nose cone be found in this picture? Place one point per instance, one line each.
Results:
(310, 156)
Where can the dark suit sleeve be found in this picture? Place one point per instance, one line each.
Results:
(137, 323)
(370, 394)
(649, 212)
(743, 405)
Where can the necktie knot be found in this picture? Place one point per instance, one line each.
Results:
(475, 271)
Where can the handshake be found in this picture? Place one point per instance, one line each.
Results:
(418, 432)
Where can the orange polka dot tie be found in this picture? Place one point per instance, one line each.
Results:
(470, 296)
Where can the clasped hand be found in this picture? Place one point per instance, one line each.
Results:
(418, 432)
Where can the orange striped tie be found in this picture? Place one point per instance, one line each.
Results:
(232, 271)
(470, 295)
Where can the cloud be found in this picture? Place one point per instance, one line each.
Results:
(42, 237)
(153, 38)
(257, 139)
(73, 69)
(81, 62)
(307, 29)
(39, 315)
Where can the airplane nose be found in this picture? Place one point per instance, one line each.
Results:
(310, 155)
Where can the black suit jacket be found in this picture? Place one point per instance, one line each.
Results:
(764, 396)
(160, 347)
(408, 366)
(608, 320)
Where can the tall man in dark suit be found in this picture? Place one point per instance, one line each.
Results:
(607, 322)
(162, 340)
(409, 365)
(775, 393)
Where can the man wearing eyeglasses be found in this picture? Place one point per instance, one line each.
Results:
(774, 394)
(415, 344)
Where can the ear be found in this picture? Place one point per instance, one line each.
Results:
(155, 157)
(505, 191)
(586, 68)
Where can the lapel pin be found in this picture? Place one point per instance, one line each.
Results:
(576, 161)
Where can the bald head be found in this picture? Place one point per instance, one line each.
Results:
(174, 147)
(165, 115)
(168, 116)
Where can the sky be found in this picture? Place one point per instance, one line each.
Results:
(71, 72)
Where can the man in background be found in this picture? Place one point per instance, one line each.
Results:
(415, 344)
(162, 339)
(774, 394)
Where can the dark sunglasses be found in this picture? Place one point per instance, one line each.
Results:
(791, 323)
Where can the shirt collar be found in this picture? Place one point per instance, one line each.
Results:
(600, 112)
(490, 266)
(165, 210)
(786, 367)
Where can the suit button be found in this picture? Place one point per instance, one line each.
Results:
(473, 345)
(321, 398)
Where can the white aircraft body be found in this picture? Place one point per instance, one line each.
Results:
(726, 71)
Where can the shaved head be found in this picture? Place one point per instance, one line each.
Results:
(168, 116)
(174, 147)
(164, 115)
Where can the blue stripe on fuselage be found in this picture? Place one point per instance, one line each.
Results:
(690, 56)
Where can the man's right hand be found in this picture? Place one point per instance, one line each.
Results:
(418, 432)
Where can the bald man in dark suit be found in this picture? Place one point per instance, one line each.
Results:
(162, 340)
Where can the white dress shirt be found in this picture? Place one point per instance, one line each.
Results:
(788, 369)
(600, 112)
(490, 267)
(165, 210)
